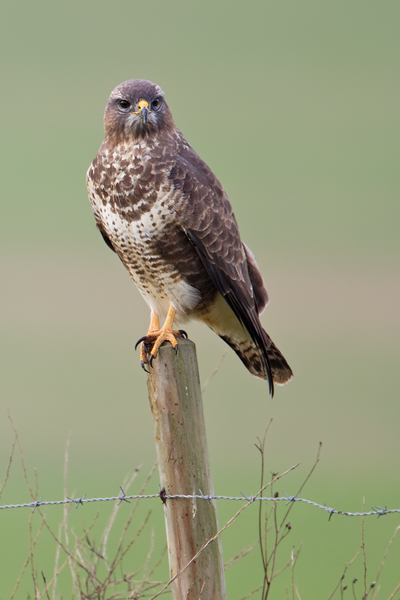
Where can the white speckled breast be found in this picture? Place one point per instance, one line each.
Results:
(134, 207)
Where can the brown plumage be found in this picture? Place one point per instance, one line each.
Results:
(163, 211)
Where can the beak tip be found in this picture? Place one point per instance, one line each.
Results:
(144, 113)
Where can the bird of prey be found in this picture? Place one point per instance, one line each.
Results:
(165, 214)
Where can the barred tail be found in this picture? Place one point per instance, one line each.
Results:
(253, 358)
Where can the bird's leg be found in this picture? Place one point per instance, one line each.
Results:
(154, 323)
(156, 336)
(166, 333)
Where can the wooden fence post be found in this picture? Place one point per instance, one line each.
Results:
(183, 463)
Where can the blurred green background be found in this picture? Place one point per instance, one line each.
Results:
(295, 106)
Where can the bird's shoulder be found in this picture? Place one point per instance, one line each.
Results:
(191, 174)
(204, 209)
(207, 217)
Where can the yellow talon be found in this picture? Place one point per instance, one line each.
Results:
(157, 335)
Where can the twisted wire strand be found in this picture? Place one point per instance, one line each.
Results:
(122, 497)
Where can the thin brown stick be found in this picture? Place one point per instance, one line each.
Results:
(113, 515)
(396, 589)
(31, 549)
(22, 460)
(217, 368)
(7, 475)
(158, 562)
(32, 563)
(294, 557)
(57, 570)
(365, 594)
(252, 593)
(303, 484)
(149, 554)
(71, 564)
(383, 561)
(344, 573)
(45, 586)
(135, 507)
(261, 449)
(281, 531)
(239, 556)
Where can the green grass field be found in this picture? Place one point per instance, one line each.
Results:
(295, 108)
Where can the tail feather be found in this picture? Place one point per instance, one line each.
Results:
(253, 358)
(249, 340)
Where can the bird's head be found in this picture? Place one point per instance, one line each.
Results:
(135, 109)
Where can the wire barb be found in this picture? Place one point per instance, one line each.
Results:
(37, 503)
(122, 496)
(291, 498)
(78, 501)
(207, 497)
(251, 499)
(380, 511)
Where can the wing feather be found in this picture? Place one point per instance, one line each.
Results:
(206, 216)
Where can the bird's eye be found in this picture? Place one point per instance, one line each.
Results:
(155, 105)
(124, 104)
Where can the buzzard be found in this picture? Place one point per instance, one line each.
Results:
(165, 214)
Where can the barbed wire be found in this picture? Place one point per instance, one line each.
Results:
(122, 497)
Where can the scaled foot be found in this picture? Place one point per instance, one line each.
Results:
(156, 336)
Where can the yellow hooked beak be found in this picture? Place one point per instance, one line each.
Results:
(143, 111)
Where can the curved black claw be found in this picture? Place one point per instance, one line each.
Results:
(151, 360)
(183, 333)
(140, 341)
(143, 365)
(176, 349)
